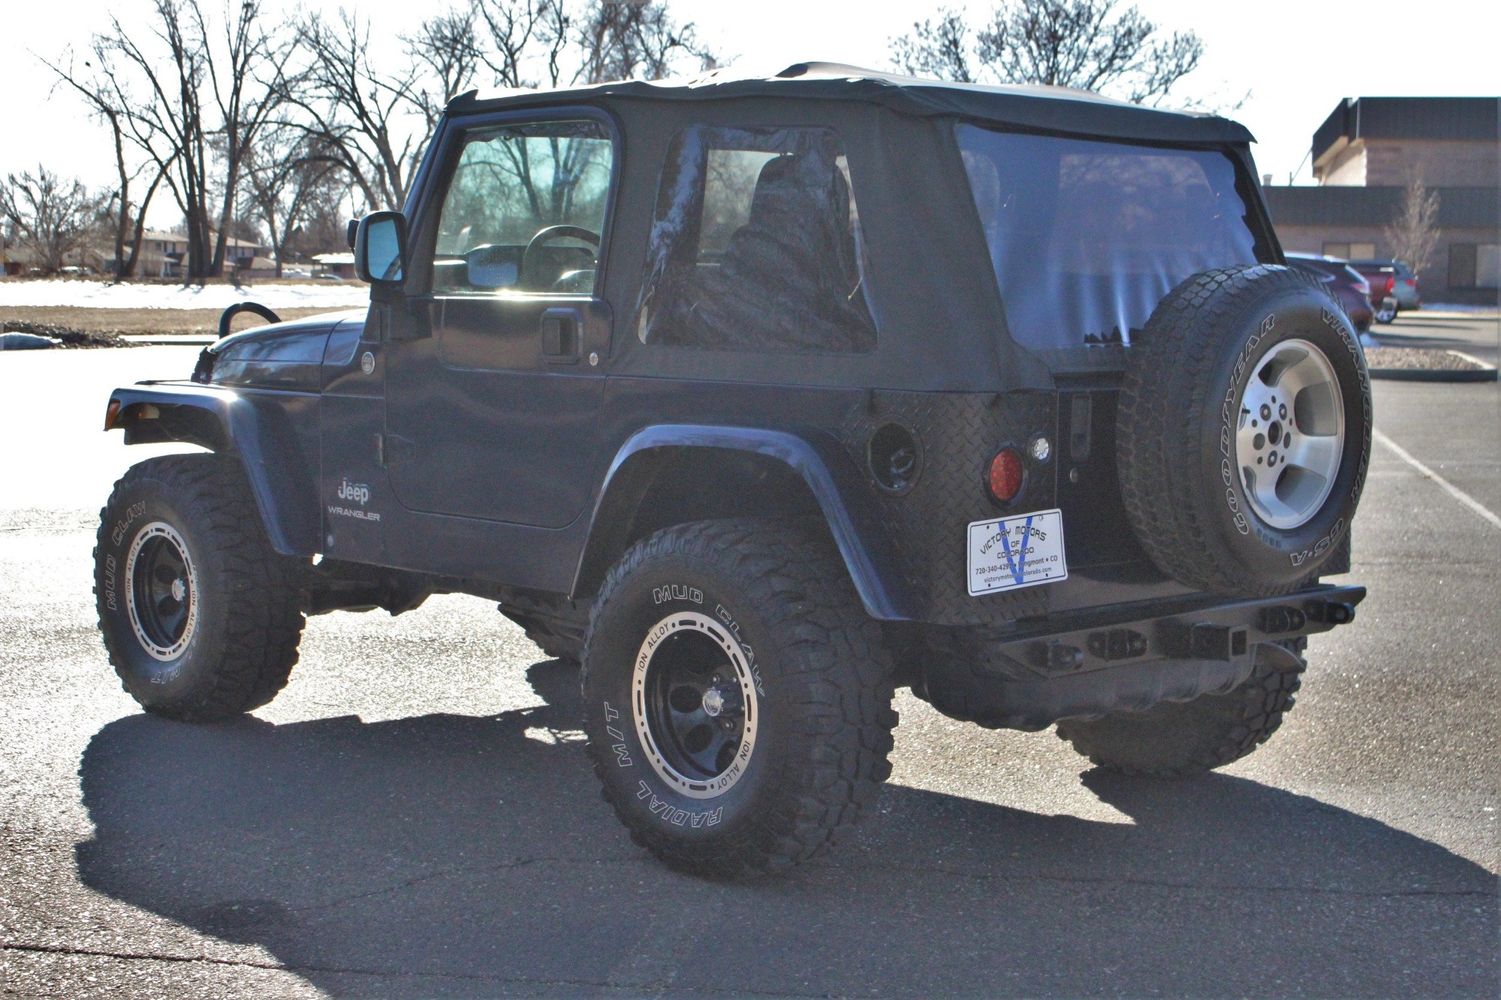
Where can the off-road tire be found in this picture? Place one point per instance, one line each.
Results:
(1178, 419)
(239, 633)
(818, 677)
(1179, 739)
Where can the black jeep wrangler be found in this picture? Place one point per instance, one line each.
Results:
(761, 398)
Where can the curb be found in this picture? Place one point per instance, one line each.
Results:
(168, 340)
(1432, 375)
(1481, 373)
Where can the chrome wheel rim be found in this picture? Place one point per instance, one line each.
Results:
(161, 599)
(1290, 439)
(693, 699)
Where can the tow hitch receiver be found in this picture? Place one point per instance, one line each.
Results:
(1204, 641)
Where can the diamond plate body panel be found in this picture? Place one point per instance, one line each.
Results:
(957, 434)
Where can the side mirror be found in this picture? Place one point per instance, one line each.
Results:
(380, 248)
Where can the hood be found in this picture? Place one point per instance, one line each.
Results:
(286, 355)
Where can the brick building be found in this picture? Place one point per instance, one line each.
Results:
(1364, 154)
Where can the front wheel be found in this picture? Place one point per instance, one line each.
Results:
(200, 617)
(737, 699)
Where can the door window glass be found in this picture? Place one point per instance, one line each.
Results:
(525, 210)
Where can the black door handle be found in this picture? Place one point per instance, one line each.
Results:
(561, 329)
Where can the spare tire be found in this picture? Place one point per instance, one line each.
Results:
(1243, 431)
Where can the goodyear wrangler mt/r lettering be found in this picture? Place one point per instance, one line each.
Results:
(1249, 496)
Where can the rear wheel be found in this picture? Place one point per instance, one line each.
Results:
(737, 699)
(200, 617)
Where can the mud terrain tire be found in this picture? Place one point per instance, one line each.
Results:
(1232, 363)
(200, 617)
(737, 699)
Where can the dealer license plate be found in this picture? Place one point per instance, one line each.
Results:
(1009, 553)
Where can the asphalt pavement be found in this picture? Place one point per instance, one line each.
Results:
(414, 815)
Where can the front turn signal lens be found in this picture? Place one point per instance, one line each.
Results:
(111, 414)
(1004, 477)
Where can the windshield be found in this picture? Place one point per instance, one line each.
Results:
(1087, 237)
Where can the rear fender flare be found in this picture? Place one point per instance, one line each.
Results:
(630, 473)
(260, 438)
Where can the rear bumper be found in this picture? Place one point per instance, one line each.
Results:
(1124, 659)
(1200, 629)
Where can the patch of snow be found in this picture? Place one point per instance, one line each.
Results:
(104, 295)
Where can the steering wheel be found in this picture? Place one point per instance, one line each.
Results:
(547, 234)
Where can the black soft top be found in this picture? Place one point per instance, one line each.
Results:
(1051, 109)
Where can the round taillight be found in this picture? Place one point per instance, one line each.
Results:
(1004, 477)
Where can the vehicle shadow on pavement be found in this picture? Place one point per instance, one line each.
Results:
(451, 856)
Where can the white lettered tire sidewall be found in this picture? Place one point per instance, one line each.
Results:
(150, 677)
(236, 645)
(1287, 556)
(641, 605)
(1182, 451)
(783, 614)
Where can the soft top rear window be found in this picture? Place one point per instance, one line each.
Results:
(1087, 237)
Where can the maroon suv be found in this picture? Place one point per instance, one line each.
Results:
(1346, 284)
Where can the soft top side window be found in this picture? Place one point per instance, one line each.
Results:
(756, 245)
(524, 210)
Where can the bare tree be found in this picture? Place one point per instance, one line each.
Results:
(192, 102)
(524, 36)
(286, 177)
(1414, 235)
(559, 43)
(371, 120)
(247, 78)
(444, 46)
(362, 116)
(939, 48)
(1088, 44)
(49, 216)
(322, 224)
(625, 41)
(129, 217)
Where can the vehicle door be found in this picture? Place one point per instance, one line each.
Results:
(493, 382)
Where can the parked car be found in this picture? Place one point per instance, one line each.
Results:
(1044, 430)
(1348, 287)
(1399, 280)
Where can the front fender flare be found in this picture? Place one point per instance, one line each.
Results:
(832, 488)
(257, 432)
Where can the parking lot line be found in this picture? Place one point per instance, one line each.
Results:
(1449, 488)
